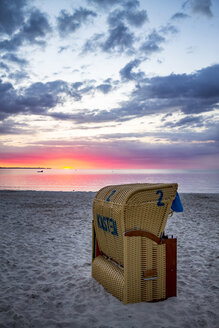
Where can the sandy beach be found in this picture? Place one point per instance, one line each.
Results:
(45, 266)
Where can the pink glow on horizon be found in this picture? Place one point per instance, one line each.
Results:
(68, 158)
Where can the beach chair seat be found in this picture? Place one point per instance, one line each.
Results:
(130, 257)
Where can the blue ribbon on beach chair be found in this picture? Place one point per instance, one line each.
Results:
(177, 205)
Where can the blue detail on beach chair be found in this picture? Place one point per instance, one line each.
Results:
(177, 205)
(112, 193)
(160, 203)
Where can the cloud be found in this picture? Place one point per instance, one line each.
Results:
(168, 29)
(69, 23)
(36, 99)
(187, 121)
(115, 17)
(12, 73)
(202, 7)
(11, 44)
(42, 96)
(11, 15)
(104, 88)
(201, 84)
(179, 16)
(191, 93)
(33, 31)
(154, 40)
(4, 66)
(119, 39)
(39, 98)
(77, 85)
(137, 18)
(18, 75)
(15, 59)
(61, 49)
(133, 17)
(152, 43)
(105, 3)
(7, 94)
(13, 128)
(127, 71)
(93, 43)
(128, 5)
(36, 27)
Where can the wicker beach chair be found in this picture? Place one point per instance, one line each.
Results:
(131, 257)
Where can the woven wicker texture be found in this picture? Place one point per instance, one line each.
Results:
(110, 275)
(154, 270)
(121, 208)
(132, 269)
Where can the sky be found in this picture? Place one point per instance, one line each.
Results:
(109, 84)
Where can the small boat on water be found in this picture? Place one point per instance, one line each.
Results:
(40, 171)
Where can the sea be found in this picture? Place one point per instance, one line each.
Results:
(189, 181)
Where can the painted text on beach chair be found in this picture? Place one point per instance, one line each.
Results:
(130, 258)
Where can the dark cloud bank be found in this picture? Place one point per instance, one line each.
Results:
(189, 93)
